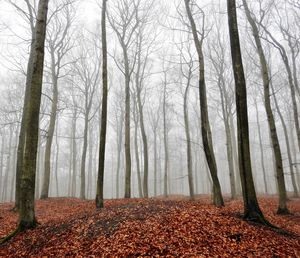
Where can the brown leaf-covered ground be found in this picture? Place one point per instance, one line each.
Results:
(153, 227)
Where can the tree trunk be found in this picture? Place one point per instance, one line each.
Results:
(142, 126)
(2, 164)
(262, 156)
(83, 157)
(287, 142)
(188, 140)
(205, 126)
(282, 208)
(127, 127)
(137, 158)
(8, 166)
(235, 156)
(165, 141)
(99, 195)
(291, 83)
(155, 161)
(50, 133)
(13, 181)
(251, 208)
(74, 153)
(31, 124)
(225, 113)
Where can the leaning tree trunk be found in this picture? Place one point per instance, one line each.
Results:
(285, 60)
(31, 122)
(282, 208)
(205, 126)
(251, 208)
(99, 194)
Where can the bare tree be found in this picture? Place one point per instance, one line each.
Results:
(124, 20)
(252, 210)
(58, 45)
(205, 126)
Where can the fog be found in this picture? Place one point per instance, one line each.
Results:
(162, 61)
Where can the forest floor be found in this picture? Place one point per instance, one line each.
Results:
(151, 227)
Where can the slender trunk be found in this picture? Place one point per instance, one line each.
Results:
(295, 163)
(155, 160)
(8, 166)
(38, 166)
(142, 126)
(127, 127)
(13, 181)
(74, 153)
(188, 140)
(56, 163)
(287, 142)
(251, 208)
(291, 83)
(205, 125)
(83, 157)
(70, 164)
(224, 103)
(165, 133)
(262, 156)
(2, 164)
(90, 163)
(235, 155)
(138, 170)
(50, 132)
(282, 208)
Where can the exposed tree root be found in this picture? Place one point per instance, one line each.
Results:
(11, 235)
(258, 218)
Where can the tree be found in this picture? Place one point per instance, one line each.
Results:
(31, 125)
(99, 195)
(186, 72)
(291, 83)
(218, 58)
(282, 208)
(59, 45)
(205, 126)
(251, 208)
(124, 20)
(88, 70)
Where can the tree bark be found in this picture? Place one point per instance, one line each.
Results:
(31, 125)
(251, 208)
